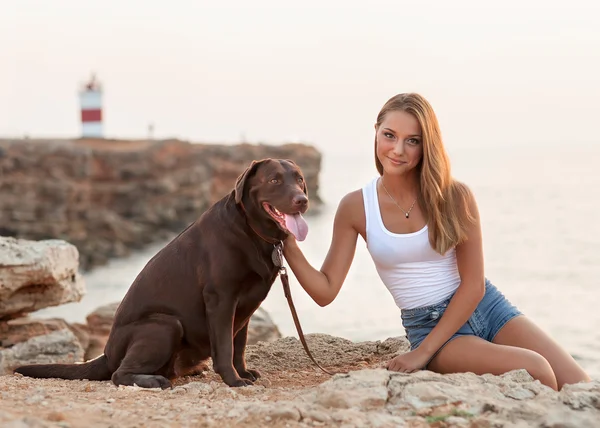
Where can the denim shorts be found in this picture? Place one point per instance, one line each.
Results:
(491, 314)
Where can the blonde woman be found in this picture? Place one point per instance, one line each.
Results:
(422, 230)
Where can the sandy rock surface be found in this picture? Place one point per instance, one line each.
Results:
(294, 393)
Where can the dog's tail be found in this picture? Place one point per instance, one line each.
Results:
(96, 369)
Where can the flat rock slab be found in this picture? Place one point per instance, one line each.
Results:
(33, 341)
(37, 274)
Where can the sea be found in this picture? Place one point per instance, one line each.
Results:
(541, 248)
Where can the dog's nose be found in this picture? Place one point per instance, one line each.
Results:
(300, 201)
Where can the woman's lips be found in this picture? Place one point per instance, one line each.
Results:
(396, 162)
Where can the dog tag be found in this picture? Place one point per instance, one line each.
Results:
(277, 256)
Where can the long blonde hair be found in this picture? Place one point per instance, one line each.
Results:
(443, 200)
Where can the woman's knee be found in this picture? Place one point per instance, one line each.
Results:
(540, 369)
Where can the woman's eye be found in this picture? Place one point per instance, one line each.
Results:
(388, 135)
(413, 141)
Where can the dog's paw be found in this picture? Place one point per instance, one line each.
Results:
(239, 382)
(151, 381)
(250, 374)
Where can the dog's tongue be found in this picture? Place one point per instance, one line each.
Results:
(296, 224)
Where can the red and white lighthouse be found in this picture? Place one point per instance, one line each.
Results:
(90, 101)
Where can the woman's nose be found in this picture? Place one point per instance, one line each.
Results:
(399, 147)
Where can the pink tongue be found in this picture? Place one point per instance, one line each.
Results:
(296, 224)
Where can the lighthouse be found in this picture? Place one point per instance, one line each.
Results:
(90, 101)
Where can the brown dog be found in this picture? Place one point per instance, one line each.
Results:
(194, 298)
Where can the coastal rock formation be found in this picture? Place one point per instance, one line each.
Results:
(294, 393)
(37, 274)
(108, 197)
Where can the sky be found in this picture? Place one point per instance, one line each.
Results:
(497, 73)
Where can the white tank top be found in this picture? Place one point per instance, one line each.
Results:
(414, 273)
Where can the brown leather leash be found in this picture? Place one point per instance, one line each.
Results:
(277, 257)
(286, 289)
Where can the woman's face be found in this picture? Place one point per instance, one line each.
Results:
(399, 142)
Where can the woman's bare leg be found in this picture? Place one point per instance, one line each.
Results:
(473, 354)
(523, 333)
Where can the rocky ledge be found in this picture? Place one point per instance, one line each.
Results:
(108, 197)
(293, 393)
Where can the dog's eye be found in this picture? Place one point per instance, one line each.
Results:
(274, 181)
(300, 180)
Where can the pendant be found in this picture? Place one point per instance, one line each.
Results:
(406, 215)
(277, 255)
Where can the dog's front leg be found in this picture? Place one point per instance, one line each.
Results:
(239, 354)
(220, 310)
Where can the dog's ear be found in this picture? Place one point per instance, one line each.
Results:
(240, 183)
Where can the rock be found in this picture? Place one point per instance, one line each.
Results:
(100, 320)
(59, 346)
(316, 415)
(284, 412)
(22, 329)
(81, 334)
(37, 274)
(561, 419)
(82, 190)
(519, 393)
(99, 323)
(262, 328)
(358, 389)
(369, 397)
(581, 395)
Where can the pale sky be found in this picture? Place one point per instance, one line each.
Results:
(512, 72)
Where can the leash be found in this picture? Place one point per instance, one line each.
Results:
(278, 261)
(277, 258)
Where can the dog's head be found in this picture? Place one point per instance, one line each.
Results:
(274, 191)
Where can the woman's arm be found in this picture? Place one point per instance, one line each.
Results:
(324, 285)
(469, 258)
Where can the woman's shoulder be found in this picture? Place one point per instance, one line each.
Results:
(352, 199)
(350, 209)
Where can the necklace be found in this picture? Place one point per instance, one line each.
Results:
(406, 213)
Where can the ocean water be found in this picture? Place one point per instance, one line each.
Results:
(541, 245)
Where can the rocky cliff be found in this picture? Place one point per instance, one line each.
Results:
(108, 197)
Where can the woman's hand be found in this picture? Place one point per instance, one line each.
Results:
(409, 362)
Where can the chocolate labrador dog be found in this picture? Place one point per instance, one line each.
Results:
(194, 298)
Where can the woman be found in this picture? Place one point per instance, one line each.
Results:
(423, 232)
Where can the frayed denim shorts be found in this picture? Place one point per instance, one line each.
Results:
(491, 314)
